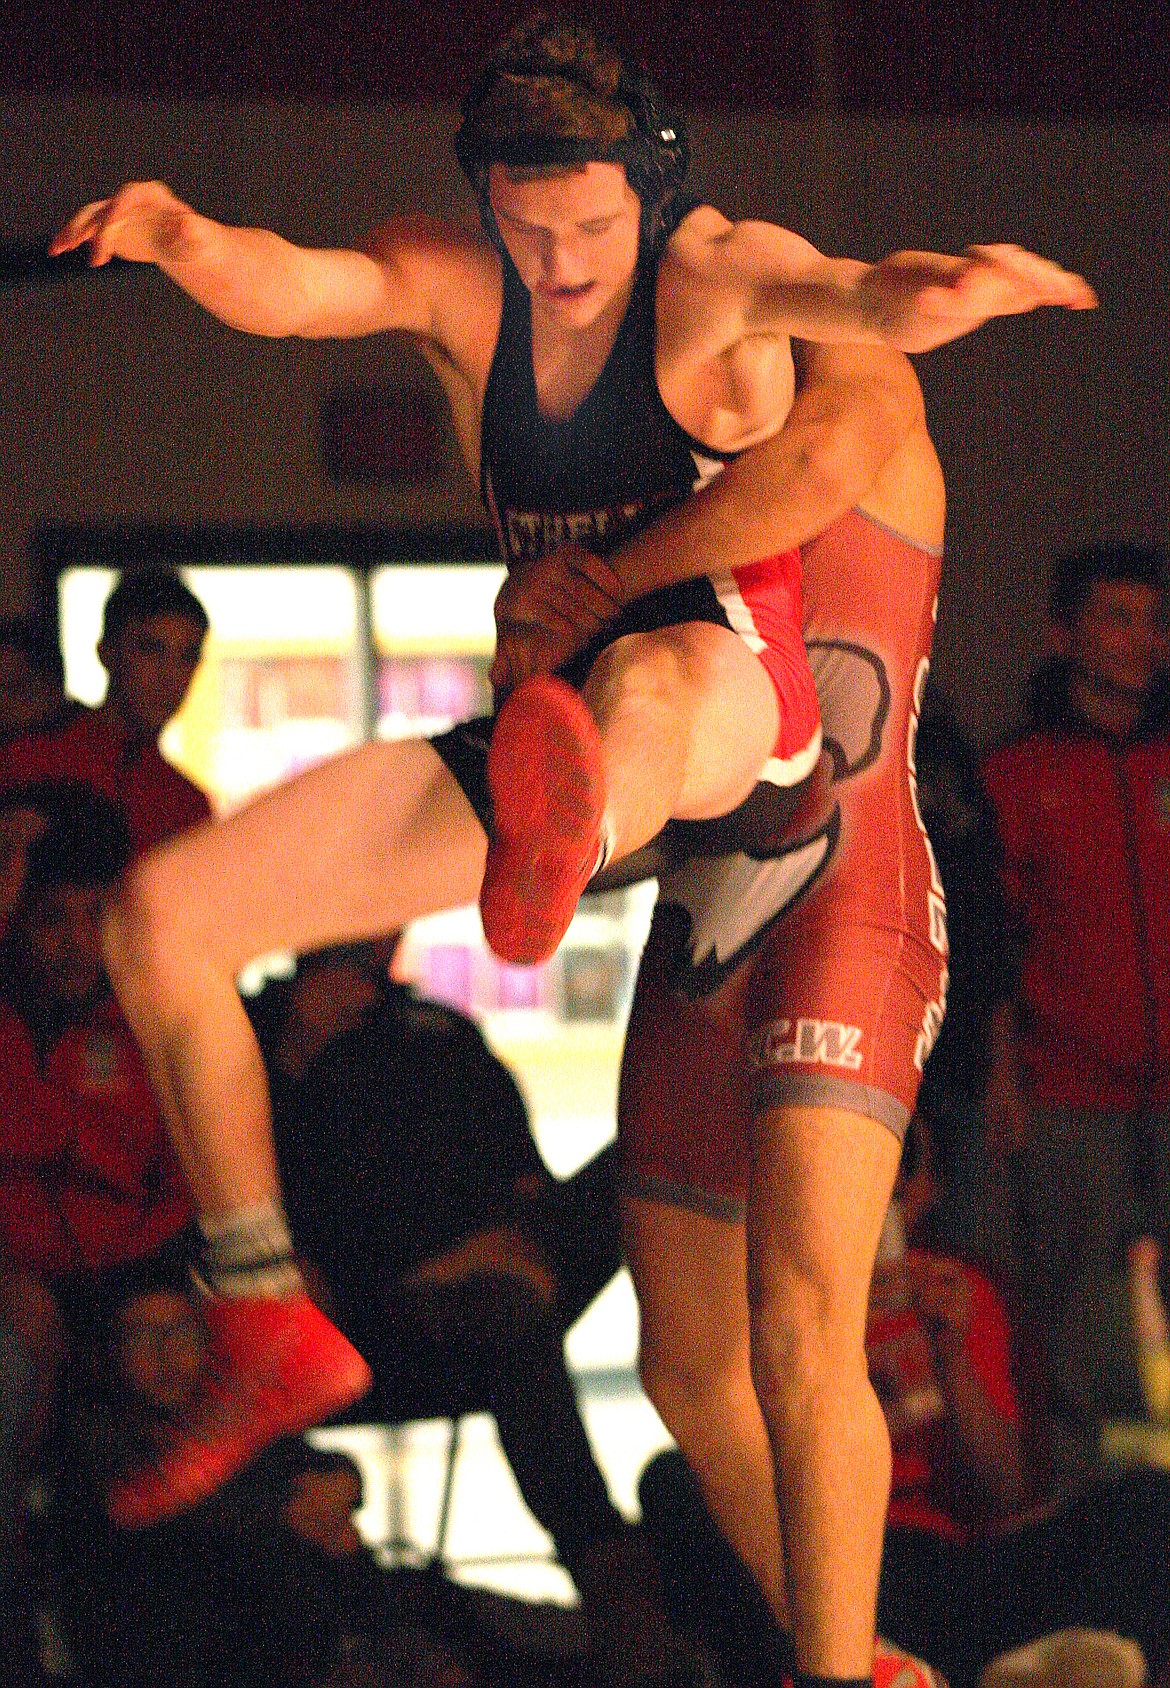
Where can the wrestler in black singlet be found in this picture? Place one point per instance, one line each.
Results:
(594, 479)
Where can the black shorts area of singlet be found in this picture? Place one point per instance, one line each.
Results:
(464, 747)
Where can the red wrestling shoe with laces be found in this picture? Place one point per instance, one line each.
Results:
(276, 1367)
(546, 777)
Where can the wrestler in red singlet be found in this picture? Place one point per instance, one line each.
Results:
(813, 971)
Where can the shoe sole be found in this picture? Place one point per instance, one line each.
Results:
(546, 778)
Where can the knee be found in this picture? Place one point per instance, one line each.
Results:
(807, 1347)
(145, 932)
(682, 1380)
(645, 669)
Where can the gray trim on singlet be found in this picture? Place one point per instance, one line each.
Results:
(777, 1087)
(905, 539)
(672, 1192)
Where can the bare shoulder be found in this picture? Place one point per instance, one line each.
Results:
(450, 276)
(709, 250)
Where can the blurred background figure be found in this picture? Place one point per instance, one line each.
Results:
(1079, 1084)
(89, 1187)
(153, 632)
(452, 1259)
(32, 682)
(972, 1216)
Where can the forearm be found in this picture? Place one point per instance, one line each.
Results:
(250, 279)
(844, 427)
(989, 1442)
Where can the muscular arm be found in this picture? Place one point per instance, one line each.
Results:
(854, 410)
(412, 276)
(756, 278)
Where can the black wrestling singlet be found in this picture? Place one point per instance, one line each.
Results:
(606, 471)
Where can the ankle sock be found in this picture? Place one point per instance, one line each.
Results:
(246, 1253)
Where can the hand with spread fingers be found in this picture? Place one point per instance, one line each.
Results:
(925, 299)
(143, 222)
(547, 610)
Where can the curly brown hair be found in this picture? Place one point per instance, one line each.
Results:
(550, 77)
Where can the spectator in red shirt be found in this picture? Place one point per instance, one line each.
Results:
(153, 633)
(1079, 1085)
(88, 1181)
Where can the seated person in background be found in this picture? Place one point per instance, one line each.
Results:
(417, 1192)
(88, 1180)
(272, 1553)
(967, 1572)
(32, 681)
(1079, 1089)
(153, 632)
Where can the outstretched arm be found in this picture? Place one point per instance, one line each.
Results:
(913, 301)
(855, 407)
(255, 280)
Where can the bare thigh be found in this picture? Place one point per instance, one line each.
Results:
(820, 1184)
(716, 692)
(691, 1277)
(351, 849)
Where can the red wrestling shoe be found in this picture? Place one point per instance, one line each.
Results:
(547, 784)
(276, 1367)
(892, 1668)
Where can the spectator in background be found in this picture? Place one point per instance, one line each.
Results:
(32, 682)
(1079, 1088)
(417, 1192)
(88, 1181)
(272, 1554)
(972, 1218)
(153, 632)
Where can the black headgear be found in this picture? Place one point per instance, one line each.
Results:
(655, 155)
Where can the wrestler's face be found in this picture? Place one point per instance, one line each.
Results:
(572, 235)
(1115, 639)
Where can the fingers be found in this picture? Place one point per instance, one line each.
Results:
(82, 226)
(1036, 279)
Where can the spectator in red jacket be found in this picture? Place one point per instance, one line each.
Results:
(1079, 1087)
(153, 632)
(88, 1181)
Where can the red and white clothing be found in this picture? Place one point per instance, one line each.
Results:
(88, 1179)
(87, 745)
(801, 959)
(927, 1491)
(1085, 825)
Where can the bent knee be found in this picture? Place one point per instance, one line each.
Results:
(650, 668)
(682, 1380)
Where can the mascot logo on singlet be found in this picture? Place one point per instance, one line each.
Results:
(731, 897)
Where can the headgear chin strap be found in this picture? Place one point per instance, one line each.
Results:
(655, 155)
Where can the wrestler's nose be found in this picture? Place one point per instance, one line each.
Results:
(561, 263)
